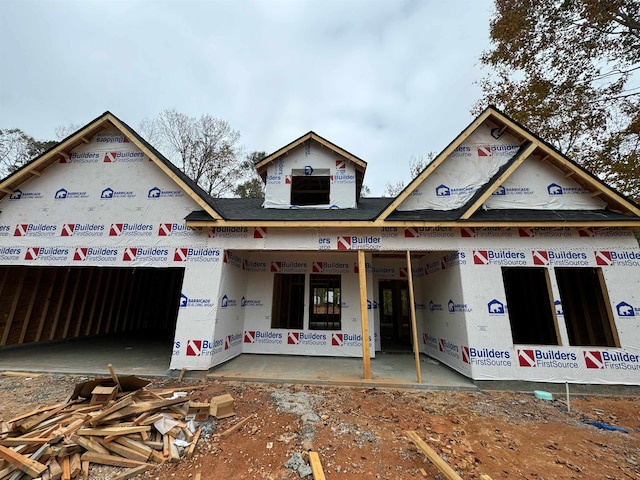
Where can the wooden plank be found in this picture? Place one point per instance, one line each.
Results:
(33, 468)
(235, 427)
(143, 407)
(110, 460)
(16, 441)
(122, 403)
(32, 422)
(45, 308)
(14, 306)
(35, 412)
(114, 377)
(364, 316)
(89, 444)
(32, 301)
(135, 445)
(72, 303)
(83, 304)
(316, 466)
(445, 469)
(106, 431)
(85, 469)
(414, 326)
(56, 316)
(75, 465)
(126, 452)
(174, 454)
(132, 472)
(55, 470)
(194, 442)
(66, 468)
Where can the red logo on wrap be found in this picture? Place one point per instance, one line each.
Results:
(484, 151)
(21, 230)
(466, 358)
(110, 157)
(356, 269)
(67, 230)
(227, 342)
(480, 257)
(80, 254)
(180, 254)
(276, 266)
(403, 272)
(593, 359)
(32, 253)
(540, 257)
(336, 339)
(411, 232)
(293, 338)
(260, 232)
(603, 258)
(424, 338)
(526, 232)
(164, 230)
(115, 230)
(526, 358)
(340, 165)
(468, 232)
(441, 344)
(194, 348)
(249, 336)
(129, 254)
(316, 267)
(225, 258)
(287, 179)
(344, 243)
(586, 232)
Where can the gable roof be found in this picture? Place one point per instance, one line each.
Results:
(360, 164)
(107, 120)
(530, 144)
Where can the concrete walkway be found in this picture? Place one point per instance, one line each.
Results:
(151, 358)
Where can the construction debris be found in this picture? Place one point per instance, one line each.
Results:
(113, 421)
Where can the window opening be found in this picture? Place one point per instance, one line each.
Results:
(529, 304)
(325, 312)
(310, 190)
(586, 313)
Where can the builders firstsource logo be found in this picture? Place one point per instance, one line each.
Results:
(359, 243)
(95, 254)
(605, 360)
(489, 357)
(559, 258)
(204, 348)
(302, 338)
(257, 336)
(346, 340)
(608, 258)
(448, 348)
(35, 230)
(547, 358)
(185, 254)
(82, 230)
(498, 257)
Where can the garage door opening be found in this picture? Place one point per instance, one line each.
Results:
(40, 304)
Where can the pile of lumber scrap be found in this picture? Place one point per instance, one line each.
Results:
(110, 426)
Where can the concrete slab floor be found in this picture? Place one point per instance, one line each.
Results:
(146, 357)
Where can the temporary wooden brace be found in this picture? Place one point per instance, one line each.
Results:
(72, 302)
(364, 316)
(94, 303)
(56, 317)
(414, 329)
(316, 466)
(445, 469)
(235, 427)
(27, 315)
(83, 305)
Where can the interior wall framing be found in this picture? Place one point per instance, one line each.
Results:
(39, 304)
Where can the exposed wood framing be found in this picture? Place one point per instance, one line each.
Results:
(32, 300)
(72, 303)
(552, 305)
(56, 317)
(12, 311)
(364, 316)
(45, 310)
(414, 326)
(94, 302)
(83, 304)
(607, 306)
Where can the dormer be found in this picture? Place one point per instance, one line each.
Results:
(311, 172)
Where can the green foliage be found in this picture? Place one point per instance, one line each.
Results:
(569, 71)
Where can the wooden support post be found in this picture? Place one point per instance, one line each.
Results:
(114, 377)
(445, 469)
(364, 316)
(414, 327)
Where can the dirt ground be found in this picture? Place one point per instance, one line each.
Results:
(360, 432)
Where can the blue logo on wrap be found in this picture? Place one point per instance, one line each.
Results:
(154, 193)
(558, 305)
(500, 191)
(62, 193)
(442, 191)
(495, 307)
(625, 310)
(107, 193)
(308, 170)
(554, 189)
(183, 300)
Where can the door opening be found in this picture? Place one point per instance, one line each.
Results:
(395, 315)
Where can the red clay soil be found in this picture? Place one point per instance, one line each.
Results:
(360, 432)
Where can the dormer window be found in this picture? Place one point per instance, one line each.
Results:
(310, 187)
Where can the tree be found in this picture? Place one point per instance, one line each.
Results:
(18, 148)
(252, 186)
(416, 166)
(569, 70)
(206, 149)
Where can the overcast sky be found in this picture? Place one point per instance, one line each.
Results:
(386, 80)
